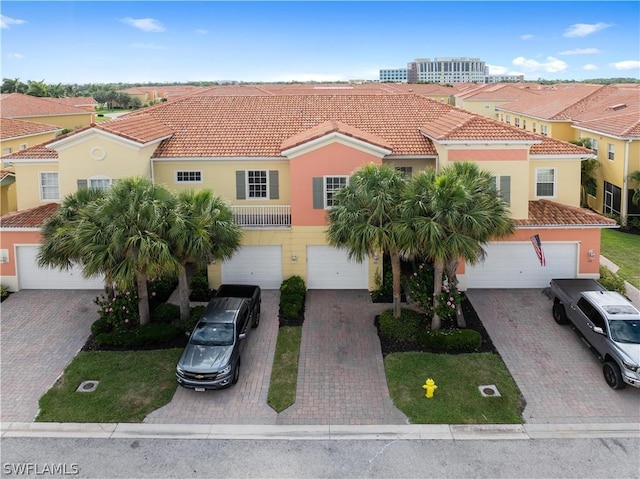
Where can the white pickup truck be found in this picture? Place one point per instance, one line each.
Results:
(609, 323)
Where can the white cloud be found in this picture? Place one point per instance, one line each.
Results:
(17, 56)
(589, 67)
(148, 46)
(497, 70)
(144, 24)
(5, 22)
(580, 51)
(584, 29)
(551, 65)
(626, 65)
(527, 36)
(201, 31)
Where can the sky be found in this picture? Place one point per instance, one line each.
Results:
(166, 41)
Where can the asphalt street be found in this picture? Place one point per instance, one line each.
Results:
(301, 459)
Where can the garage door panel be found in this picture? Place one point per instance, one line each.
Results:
(31, 276)
(331, 268)
(261, 265)
(518, 266)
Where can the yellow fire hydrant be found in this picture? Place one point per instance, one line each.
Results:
(429, 387)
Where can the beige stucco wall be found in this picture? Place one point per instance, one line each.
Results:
(484, 108)
(220, 177)
(28, 183)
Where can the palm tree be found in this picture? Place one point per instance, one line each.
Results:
(449, 215)
(202, 229)
(128, 232)
(60, 247)
(588, 181)
(635, 176)
(365, 215)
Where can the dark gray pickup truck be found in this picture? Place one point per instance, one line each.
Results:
(608, 322)
(250, 292)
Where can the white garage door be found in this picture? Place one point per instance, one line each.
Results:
(331, 268)
(261, 265)
(517, 266)
(31, 276)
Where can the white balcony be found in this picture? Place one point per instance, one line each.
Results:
(276, 216)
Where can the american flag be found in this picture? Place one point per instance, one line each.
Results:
(537, 245)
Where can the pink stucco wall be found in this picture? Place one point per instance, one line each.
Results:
(334, 159)
(7, 241)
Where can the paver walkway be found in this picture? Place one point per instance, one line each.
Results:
(560, 378)
(341, 378)
(42, 331)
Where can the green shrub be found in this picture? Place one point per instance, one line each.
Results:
(612, 281)
(199, 287)
(293, 285)
(4, 292)
(121, 311)
(405, 328)
(143, 336)
(165, 313)
(453, 340)
(100, 326)
(291, 307)
(160, 290)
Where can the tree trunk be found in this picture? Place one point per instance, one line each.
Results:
(397, 293)
(143, 299)
(438, 269)
(453, 283)
(183, 292)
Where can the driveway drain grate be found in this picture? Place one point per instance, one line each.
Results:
(489, 390)
(87, 386)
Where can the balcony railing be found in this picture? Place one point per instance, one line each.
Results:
(276, 216)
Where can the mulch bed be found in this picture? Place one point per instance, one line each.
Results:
(391, 345)
(178, 342)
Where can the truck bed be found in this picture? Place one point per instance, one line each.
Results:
(237, 291)
(571, 288)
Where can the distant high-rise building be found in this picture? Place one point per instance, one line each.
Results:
(398, 75)
(504, 78)
(447, 70)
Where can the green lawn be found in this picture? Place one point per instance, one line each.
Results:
(284, 376)
(132, 384)
(457, 399)
(624, 250)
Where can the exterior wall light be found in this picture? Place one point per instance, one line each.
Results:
(591, 254)
(376, 257)
(294, 258)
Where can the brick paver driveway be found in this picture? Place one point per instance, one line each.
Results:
(41, 332)
(560, 378)
(341, 378)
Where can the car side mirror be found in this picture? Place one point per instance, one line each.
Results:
(599, 330)
(242, 336)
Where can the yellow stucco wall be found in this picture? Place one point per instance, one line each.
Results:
(28, 183)
(567, 180)
(220, 177)
(63, 121)
(294, 240)
(29, 141)
(480, 107)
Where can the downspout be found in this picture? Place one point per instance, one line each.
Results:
(153, 180)
(624, 207)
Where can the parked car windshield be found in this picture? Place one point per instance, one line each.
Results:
(213, 334)
(625, 331)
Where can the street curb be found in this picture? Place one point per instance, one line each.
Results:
(319, 432)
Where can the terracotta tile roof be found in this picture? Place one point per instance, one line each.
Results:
(38, 152)
(458, 124)
(77, 101)
(17, 105)
(10, 128)
(141, 129)
(499, 92)
(31, 218)
(5, 173)
(555, 104)
(550, 213)
(259, 125)
(331, 127)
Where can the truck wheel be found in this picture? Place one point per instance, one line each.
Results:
(612, 375)
(256, 319)
(559, 314)
(236, 373)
